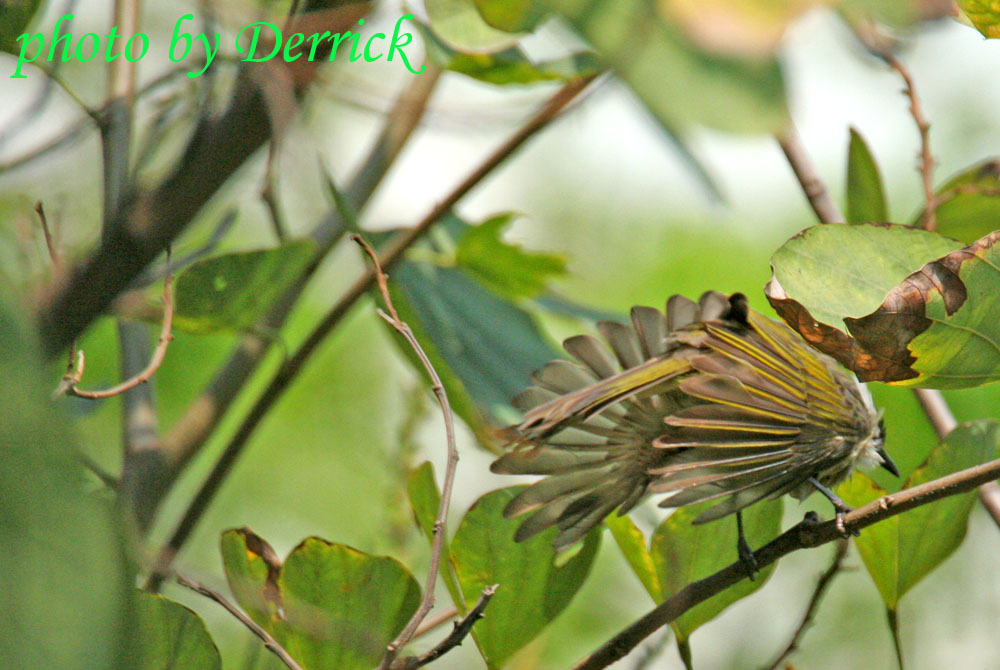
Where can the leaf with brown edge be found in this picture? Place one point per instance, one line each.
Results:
(937, 326)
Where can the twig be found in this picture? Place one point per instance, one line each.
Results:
(805, 534)
(33, 110)
(437, 546)
(72, 376)
(926, 158)
(272, 645)
(652, 651)
(454, 639)
(49, 242)
(819, 198)
(821, 586)
(429, 624)
(82, 124)
(290, 369)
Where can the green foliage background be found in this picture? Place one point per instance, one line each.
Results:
(606, 189)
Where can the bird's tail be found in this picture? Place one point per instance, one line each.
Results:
(589, 425)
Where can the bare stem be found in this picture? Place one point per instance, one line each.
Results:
(47, 232)
(923, 127)
(73, 375)
(817, 596)
(814, 188)
(437, 546)
(458, 634)
(808, 533)
(272, 645)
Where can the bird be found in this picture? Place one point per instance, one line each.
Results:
(707, 401)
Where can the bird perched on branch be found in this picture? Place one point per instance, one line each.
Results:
(710, 401)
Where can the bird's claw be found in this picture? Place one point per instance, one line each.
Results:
(842, 528)
(747, 558)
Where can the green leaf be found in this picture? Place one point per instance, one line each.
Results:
(15, 17)
(252, 568)
(64, 578)
(172, 637)
(483, 346)
(632, 543)
(233, 291)
(534, 586)
(970, 206)
(330, 606)
(512, 16)
(503, 267)
(460, 25)
(683, 553)
(343, 606)
(984, 15)
(510, 66)
(902, 550)
(425, 500)
(679, 82)
(865, 197)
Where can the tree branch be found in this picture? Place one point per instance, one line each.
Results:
(454, 639)
(819, 197)
(807, 533)
(923, 127)
(294, 364)
(272, 645)
(440, 523)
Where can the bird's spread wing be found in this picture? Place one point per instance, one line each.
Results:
(707, 401)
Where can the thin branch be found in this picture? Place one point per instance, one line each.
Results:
(437, 546)
(429, 624)
(923, 127)
(47, 232)
(817, 596)
(95, 115)
(272, 645)
(72, 377)
(71, 133)
(816, 192)
(454, 639)
(807, 533)
(294, 364)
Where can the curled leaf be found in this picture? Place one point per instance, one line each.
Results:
(937, 326)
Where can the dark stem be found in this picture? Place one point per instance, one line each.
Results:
(454, 639)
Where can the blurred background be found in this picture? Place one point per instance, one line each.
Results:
(603, 186)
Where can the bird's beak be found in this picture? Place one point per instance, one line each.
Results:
(887, 462)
